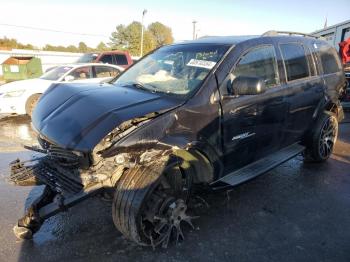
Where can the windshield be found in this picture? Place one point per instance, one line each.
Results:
(177, 69)
(56, 73)
(87, 58)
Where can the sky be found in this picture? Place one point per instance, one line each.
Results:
(93, 21)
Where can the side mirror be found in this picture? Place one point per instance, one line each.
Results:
(69, 78)
(247, 85)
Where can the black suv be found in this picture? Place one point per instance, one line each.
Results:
(216, 111)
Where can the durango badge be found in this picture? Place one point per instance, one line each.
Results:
(242, 136)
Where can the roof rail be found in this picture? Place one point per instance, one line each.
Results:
(275, 33)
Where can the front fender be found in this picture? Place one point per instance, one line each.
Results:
(161, 137)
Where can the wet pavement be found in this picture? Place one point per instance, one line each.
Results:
(297, 212)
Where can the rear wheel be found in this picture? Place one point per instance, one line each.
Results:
(31, 104)
(323, 138)
(150, 208)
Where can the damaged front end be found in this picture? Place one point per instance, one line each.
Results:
(72, 176)
(73, 136)
(69, 178)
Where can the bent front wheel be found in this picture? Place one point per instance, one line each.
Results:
(149, 206)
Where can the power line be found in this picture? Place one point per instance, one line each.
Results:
(52, 30)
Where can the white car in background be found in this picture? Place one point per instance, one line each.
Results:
(20, 97)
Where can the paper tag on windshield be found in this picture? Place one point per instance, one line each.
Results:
(201, 63)
(168, 62)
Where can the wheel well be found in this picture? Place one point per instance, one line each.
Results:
(31, 96)
(196, 164)
(332, 107)
(336, 109)
(29, 100)
(192, 162)
(329, 108)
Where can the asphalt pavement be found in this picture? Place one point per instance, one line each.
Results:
(296, 212)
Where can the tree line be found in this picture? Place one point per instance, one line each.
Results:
(125, 37)
(11, 43)
(8, 43)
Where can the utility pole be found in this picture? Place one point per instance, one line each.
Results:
(194, 29)
(143, 16)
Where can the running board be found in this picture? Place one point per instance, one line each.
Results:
(259, 167)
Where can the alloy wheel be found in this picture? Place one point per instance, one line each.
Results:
(328, 137)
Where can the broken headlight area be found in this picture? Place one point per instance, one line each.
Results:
(106, 151)
(119, 132)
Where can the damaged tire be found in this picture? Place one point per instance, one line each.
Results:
(322, 139)
(149, 206)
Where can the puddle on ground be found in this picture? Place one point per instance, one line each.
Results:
(15, 132)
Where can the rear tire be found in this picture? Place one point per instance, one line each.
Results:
(322, 139)
(31, 104)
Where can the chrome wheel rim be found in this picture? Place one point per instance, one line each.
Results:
(165, 211)
(328, 137)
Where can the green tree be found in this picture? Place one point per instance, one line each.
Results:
(49, 48)
(82, 47)
(129, 38)
(59, 48)
(24, 46)
(72, 48)
(102, 47)
(119, 38)
(149, 44)
(161, 33)
(9, 43)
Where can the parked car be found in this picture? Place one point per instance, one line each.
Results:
(345, 99)
(119, 58)
(215, 112)
(20, 97)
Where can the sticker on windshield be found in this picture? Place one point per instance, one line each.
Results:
(201, 63)
(168, 62)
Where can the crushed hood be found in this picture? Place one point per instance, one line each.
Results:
(78, 116)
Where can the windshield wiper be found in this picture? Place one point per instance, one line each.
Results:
(142, 86)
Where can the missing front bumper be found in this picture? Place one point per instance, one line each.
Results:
(59, 171)
(48, 204)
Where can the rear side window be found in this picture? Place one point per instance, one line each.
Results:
(107, 59)
(82, 73)
(104, 71)
(295, 61)
(259, 62)
(121, 59)
(328, 57)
